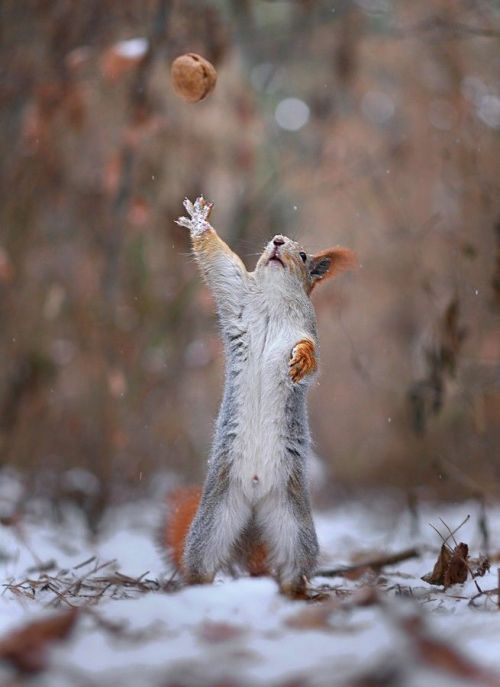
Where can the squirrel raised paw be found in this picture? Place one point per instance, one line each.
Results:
(254, 511)
(198, 216)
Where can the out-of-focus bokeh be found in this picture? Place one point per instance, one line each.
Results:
(372, 124)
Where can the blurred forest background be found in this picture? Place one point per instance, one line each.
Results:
(374, 124)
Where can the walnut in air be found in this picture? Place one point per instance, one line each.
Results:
(193, 77)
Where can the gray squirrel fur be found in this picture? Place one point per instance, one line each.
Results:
(256, 484)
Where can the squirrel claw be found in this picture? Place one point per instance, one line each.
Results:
(188, 206)
(183, 222)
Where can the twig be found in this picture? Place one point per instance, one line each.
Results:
(374, 563)
(132, 580)
(81, 579)
(60, 595)
(487, 593)
(80, 565)
(452, 533)
(103, 591)
(483, 525)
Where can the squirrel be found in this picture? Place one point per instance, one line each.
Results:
(254, 509)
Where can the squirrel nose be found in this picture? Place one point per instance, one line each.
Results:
(278, 241)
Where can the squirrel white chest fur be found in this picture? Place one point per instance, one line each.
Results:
(270, 326)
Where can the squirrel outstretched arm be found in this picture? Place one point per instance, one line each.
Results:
(254, 509)
(222, 269)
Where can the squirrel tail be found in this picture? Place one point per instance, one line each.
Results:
(182, 505)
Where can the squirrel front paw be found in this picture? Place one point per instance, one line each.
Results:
(303, 360)
(199, 212)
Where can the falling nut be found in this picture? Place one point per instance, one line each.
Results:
(193, 77)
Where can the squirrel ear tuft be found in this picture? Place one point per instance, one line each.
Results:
(331, 262)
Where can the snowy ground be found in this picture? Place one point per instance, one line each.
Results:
(242, 632)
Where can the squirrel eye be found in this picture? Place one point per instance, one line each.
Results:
(303, 256)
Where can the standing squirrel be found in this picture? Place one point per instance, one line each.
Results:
(254, 510)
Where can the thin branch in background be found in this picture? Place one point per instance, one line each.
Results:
(483, 525)
(440, 353)
(139, 103)
(375, 563)
(413, 508)
(85, 562)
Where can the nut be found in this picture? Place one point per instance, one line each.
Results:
(193, 77)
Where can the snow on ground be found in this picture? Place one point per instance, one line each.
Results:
(241, 631)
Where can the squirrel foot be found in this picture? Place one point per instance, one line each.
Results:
(198, 578)
(300, 591)
(199, 212)
(303, 360)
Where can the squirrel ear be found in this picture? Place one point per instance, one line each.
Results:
(331, 262)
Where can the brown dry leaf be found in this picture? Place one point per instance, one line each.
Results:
(217, 632)
(479, 566)
(457, 570)
(450, 567)
(441, 656)
(26, 649)
(315, 618)
(11, 520)
(440, 567)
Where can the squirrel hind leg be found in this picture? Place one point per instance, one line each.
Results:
(213, 536)
(296, 589)
(301, 591)
(289, 534)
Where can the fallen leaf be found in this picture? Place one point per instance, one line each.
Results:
(26, 649)
(444, 657)
(479, 566)
(315, 618)
(457, 570)
(217, 632)
(440, 567)
(450, 567)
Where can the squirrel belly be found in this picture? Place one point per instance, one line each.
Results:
(262, 422)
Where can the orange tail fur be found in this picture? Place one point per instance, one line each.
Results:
(182, 506)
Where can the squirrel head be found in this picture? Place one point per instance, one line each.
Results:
(284, 260)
